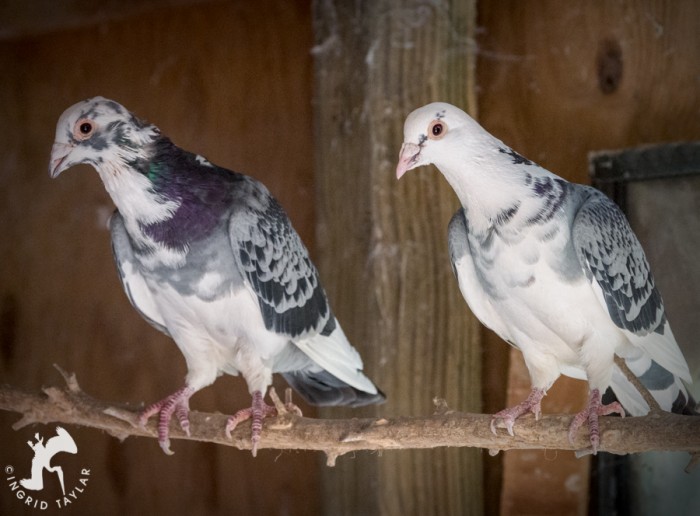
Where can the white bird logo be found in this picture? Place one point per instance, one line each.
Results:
(43, 453)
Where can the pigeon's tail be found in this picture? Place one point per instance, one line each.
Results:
(323, 389)
(335, 376)
(692, 407)
(667, 389)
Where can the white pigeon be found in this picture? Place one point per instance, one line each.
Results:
(553, 268)
(209, 257)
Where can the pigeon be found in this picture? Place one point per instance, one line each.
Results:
(207, 256)
(553, 268)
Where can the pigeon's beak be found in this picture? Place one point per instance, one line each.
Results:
(58, 163)
(408, 158)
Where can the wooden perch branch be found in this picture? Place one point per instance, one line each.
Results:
(335, 437)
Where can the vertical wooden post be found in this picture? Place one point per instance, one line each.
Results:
(382, 246)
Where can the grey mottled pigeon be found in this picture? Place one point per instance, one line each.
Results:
(553, 268)
(209, 257)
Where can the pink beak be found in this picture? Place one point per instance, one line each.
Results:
(408, 158)
(59, 153)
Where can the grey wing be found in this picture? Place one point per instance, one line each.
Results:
(276, 265)
(457, 239)
(132, 280)
(474, 286)
(612, 257)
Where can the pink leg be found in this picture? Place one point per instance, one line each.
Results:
(594, 408)
(177, 403)
(256, 413)
(509, 415)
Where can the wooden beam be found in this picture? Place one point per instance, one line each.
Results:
(33, 17)
(382, 244)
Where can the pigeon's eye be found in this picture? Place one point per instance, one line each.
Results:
(437, 130)
(83, 129)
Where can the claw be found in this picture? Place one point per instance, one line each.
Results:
(165, 446)
(594, 408)
(509, 415)
(177, 403)
(256, 413)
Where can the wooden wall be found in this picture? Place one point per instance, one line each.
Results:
(375, 62)
(219, 79)
(557, 80)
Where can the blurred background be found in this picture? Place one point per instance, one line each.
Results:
(310, 97)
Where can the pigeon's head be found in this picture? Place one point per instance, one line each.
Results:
(432, 133)
(97, 132)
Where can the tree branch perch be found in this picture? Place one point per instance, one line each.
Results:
(336, 437)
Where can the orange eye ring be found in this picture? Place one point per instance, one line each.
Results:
(437, 129)
(83, 129)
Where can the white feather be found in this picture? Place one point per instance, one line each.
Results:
(139, 293)
(336, 355)
(214, 341)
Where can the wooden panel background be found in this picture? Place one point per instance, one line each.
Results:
(221, 80)
(557, 80)
(375, 62)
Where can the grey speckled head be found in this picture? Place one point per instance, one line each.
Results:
(93, 131)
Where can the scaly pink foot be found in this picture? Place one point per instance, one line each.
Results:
(509, 415)
(593, 409)
(257, 412)
(177, 403)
